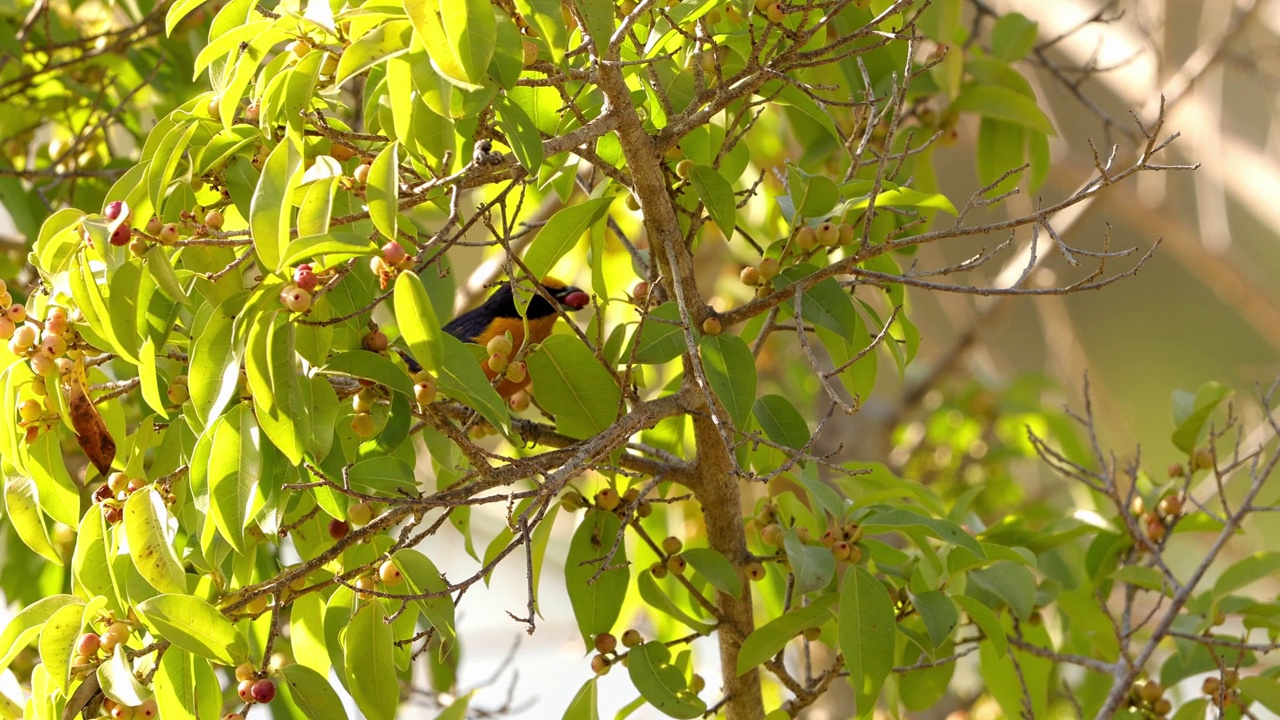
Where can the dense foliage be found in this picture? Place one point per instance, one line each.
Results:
(220, 470)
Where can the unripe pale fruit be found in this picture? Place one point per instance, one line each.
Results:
(769, 268)
(806, 238)
(772, 534)
(529, 50)
(298, 48)
(755, 572)
(389, 574)
(497, 363)
(147, 710)
(361, 174)
(364, 584)
(30, 410)
(215, 107)
(632, 638)
(44, 365)
(245, 671)
(258, 605)
(245, 690)
(7, 328)
(118, 482)
(517, 372)
(600, 664)
(1151, 691)
(253, 111)
(659, 570)
(520, 401)
(213, 220)
(608, 499)
(168, 234)
(846, 233)
(841, 550)
(178, 394)
(122, 712)
(828, 234)
(295, 298)
(360, 514)
(499, 345)
(774, 13)
(1170, 506)
(264, 691)
(672, 545)
(424, 393)
(17, 313)
(362, 425)
(749, 276)
(712, 326)
(676, 564)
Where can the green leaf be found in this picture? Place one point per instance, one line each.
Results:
(234, 475)
(596, 604)
(521, 132)
(938, 613)
(662, 684)
(769, 639)
(656, 598)
(1191, 413)
(57, 643)
(598, 16)
(731, 372)
(370, 366)
(269, 211)
(429, 28)
(865, 622)
(1010, 582)
(812, 195)
(422, 577)
(383, 191)
(22, 506)
(944, 530)
(332, 244)
(585, 705)
(417, 321)
(195, 626)
(1246, 571)
(813, 565)
(985, 619)
(146, 521)
(660, 341)
(559, 236)
(1001, 103)
(898, 197)
(461, 377)
(186, 686)
(573, 386)
(1013, 36)
(717, 195)
(470, 27)
(384, 41)
(118, 682)
(781, 421)
(1261, 689)
(370, 665)
(311, 693)
(716, 568)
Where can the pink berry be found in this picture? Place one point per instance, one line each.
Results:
(115, 209)
(393, 253)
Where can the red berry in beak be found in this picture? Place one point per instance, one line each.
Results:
(576, 300)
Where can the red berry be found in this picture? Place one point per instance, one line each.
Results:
(121, 233)
(338, 529)
(115, 209)
(88, 645)
(264, 691)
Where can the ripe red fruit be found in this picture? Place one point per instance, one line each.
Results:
(114, 209)
(338, 529)
(121, 233)
(264, 691)
(305, 278)
(88, 645)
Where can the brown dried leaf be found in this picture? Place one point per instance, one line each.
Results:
(91, 430)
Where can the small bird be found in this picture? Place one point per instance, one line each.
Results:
(497, 315)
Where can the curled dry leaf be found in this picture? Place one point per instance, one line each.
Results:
(91, 431)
